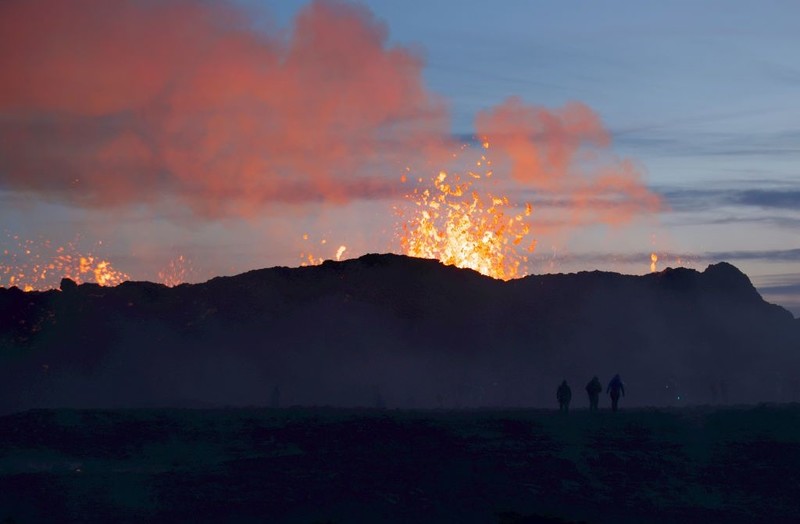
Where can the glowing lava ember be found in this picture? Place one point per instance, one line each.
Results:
(309, 259)
(177, 272)
(460, 226)
(31, 265)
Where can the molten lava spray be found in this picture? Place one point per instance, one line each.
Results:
(310, 257)
(460, 225)
(187, 102)
(32, 265)
(178, 271)
(190, 104)
(562, 153)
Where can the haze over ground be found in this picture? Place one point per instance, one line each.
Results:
(693, 104)
(400, 332)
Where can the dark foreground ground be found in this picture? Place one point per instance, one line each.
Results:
(331, 465)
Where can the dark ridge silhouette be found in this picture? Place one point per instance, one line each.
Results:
(421, 333)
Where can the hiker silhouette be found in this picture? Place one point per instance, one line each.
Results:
(593, 389)
(564, 395)
(615, 387)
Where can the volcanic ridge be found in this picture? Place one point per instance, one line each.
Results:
(397, 331)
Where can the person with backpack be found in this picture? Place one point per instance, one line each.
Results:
(593, 389)
(564, 395)
(615, 387)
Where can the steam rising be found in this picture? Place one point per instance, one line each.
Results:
(566, 152)
(111, 103)
(178, 102)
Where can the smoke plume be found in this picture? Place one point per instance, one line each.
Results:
(109, 103)
(565, 154)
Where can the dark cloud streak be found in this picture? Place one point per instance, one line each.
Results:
(781, 196)
(660, 140)
(667, 258)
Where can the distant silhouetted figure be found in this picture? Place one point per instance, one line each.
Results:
(564, 395)
(615, 387)
(593, 389)
(275, 398)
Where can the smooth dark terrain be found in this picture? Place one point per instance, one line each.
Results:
(735, 464)
(399, 331)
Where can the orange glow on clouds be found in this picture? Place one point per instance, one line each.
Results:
(567, 152)
(129, 102)
(125, 102)
(461, 221)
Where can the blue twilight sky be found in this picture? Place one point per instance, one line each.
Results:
(704, 96)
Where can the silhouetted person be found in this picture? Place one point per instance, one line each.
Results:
(275, 398)
(593, 389)
(615, 387)
(564, 395)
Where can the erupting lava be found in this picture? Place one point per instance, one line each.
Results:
(457, 225)
(40, 266)
(309, 259)
(176, 273)
(653, 262)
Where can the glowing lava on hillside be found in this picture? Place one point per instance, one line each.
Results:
(458, 224)
(178, 271)
(456, 219)
(33, 265)
(310, 259)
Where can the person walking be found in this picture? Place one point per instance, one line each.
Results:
(615, 387)
(593, 389)
(564, 395)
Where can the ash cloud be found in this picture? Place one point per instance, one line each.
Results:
(566, 152)
(189, 104)
(114, 103)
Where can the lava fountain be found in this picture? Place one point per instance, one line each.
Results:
(177, 272)
(456, 223)
(31, 265)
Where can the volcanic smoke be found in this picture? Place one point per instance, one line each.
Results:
(157, 104)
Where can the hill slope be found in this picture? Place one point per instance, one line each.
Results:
(404, 331)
